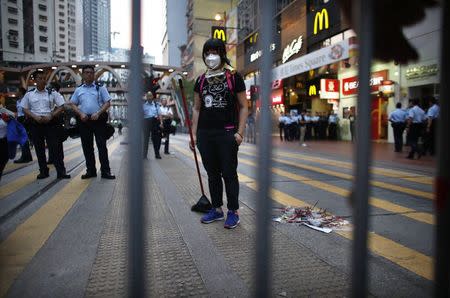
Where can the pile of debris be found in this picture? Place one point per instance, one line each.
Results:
(315, 218)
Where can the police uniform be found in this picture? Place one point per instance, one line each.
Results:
(398, 120)
(90, 98)
(167, 115)
(42, 103)
(433, 115)
(417, 117)
(332, 128)
(281, 127)
(152, 113)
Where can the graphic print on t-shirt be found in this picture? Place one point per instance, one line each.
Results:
(214, 95)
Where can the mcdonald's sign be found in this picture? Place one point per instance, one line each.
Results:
(312, 90)
(219, 33)
(321, 20)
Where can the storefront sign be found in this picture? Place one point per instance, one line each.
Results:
(219, 33)
(321, 20)
(329, 88)
(255, 56)
(421, 71)
(314, 60)
(292, 48)
(350, 85)
(312, 90)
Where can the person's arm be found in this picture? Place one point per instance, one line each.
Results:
(103, 109)
(243, 114)
(195, 115)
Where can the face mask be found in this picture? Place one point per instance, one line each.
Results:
(213, 61)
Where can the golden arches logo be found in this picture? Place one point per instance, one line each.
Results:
(312, 90)
(321, 20)
(220, 34)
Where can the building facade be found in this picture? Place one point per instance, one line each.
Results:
(97, 26)
(39, 31)
(173, 38)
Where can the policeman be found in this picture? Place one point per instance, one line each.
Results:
(152, 124)
(25, 148)
(167, 117)
(398, 121)
(38, 107)
(416, 117)
(91, 102)
(432, 119)
(332, 128)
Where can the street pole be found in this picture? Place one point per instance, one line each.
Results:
(263, 221)
(442, 183)
(135, 172)
(363, 18)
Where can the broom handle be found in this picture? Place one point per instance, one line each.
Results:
(188, 121)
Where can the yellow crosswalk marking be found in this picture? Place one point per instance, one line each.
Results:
(336, 163)
(403, 256)
(15, 185)
(376, 202)
(380, 184)
(20, 247)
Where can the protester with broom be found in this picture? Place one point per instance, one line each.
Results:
(218, 124)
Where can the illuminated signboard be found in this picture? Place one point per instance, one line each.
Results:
(350, 85)
(329, 88)
(312, 90)
(321, 20)
(292, 48)
(219, 33)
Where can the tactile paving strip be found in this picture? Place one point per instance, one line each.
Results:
(171, 270)
(296, 270)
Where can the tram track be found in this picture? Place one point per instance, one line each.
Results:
(36, 195)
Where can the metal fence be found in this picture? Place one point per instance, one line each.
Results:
(364, 17)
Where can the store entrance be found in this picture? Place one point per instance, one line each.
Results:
(379, 118)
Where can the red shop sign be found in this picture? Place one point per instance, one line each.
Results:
(350, 85)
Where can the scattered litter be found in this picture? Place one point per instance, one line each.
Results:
(314, 218)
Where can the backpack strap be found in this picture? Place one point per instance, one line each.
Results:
(230, 80)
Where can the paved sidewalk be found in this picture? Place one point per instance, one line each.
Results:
(187, 258)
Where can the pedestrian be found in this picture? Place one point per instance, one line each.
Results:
(302, 127)
(91, 102)
(281, 125)
(38, 105)
(309, 125)
(167, 117)
(288, 130)
(251, 133)
(431, 126)
(120, 126)
(219, 117)
(315, 125)
(416, 118)
(398, 121)
(25, 156)
(4, 156)
(352, 119)
(152, 124)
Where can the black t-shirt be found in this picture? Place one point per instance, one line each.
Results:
(219, 107)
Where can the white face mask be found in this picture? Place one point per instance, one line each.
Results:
(213, 61)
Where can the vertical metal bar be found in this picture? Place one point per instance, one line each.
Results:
(263, 231)
(442, 184)
(363, 14)
(135, 179)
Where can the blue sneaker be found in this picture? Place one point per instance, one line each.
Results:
(212, 216)
(232, 219)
